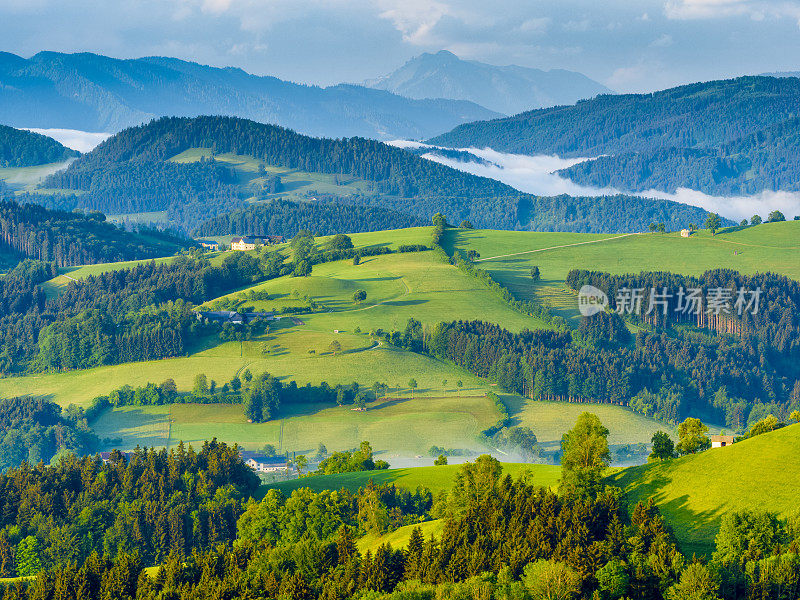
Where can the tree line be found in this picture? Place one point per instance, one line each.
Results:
(73, 238)
(666, 376)
(151, 503)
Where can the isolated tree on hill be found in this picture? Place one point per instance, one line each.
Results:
(412, 383)
(441, 461)
(652, 227)
(693, 439)
(301, 463)
(200, 387)
(340, 242)
(459, 384)
(755, 220)
(584, 456)
(466, 225)
(322, 451)
(335, 347)
(359, 296)
(743, 223)
(269, 450)
(535, 274)
(361, 401)
(713, 222)
(439, 220)
(663, 446)
(775, 216)
(661, 228)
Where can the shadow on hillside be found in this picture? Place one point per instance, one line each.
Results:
(404, 302)
(695, 530)
(388, 403)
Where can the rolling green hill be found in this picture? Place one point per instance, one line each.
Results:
(509, 256)
(727, 136)
(168, 166)
(435, 479)
(695, 492)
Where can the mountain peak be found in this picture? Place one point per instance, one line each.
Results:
(508, 89)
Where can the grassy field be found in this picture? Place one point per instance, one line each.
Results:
(695, 492)
(435, 479)
(509, 256)
(296, 183)
(135, 425)
(397, 427)
(398, 286)
(549, 420)
(27, 178)
(399, 538)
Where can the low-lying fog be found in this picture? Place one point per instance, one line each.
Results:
(536, 175)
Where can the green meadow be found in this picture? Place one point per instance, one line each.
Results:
(695, 492)
(296, 184)
(436, 479)
(510, 255)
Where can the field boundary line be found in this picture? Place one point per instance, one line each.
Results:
(616, 237)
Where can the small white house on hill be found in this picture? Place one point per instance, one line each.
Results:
(720, 441)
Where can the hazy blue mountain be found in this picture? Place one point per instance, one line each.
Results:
(728, 136)
(782, 74)
(97, 93)
(509, 89)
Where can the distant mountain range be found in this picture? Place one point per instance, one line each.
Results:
(506, 89)
(736, 136)
(90, 92)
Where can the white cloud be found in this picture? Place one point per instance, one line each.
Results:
(415, 19)
(663, 41)
(538, 25)
(756, 10)
(82, 141)
(536, 175)
(577, 26)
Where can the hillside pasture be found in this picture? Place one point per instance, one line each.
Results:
(510, 255)
(436, 479)
(695, 492)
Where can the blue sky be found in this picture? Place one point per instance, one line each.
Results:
(630, 45)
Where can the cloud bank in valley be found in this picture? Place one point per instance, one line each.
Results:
(536, 175)
(82, 141)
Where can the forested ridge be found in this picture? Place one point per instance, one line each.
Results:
(727, 136)
(20, 148)
(739, 375)
(140, 313)
(285, 218)
(73, 238)
(131, 172)
(768, 159)
(152, 504)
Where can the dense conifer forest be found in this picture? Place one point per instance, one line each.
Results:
(284, 218)
(736, 136)
(667, 374)
(20, 148)
(74, 238)
(131, 172)
(187, 512)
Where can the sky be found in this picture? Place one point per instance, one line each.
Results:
(628, 45)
